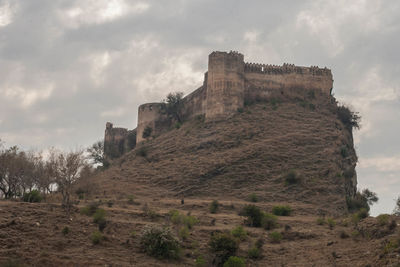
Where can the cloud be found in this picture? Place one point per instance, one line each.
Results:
(384, 164)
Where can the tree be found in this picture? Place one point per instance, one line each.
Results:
(96, 153)
(370, 196)
(397, 207)
(65, 168)
(173, 106)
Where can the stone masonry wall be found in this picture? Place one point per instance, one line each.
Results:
(227, 84)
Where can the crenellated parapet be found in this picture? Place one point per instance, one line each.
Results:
(228, 83)
(286, 69)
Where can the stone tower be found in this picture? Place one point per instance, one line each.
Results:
(225, 84)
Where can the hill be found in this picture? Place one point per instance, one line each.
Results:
(296, 150)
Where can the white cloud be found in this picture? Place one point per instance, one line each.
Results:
(330, 21)
(6, 14)
(100, 11)
(384, 164)
(26, 97)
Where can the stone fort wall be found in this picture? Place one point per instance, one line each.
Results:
(228, 83)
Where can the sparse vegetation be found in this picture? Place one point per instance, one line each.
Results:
(142, 151)
(383, 219)
(254, 253)
(275, 237)
(396, 210)
(292, 178)
(234, 261)
(331, 223)
(97, 237)
(200, 262)
(159, 242)
(343, 151)
(214, 206)
(223, 245)
(90, 209)
(239, 233)
(65, 230)
(321, 221)
(254, 215)
(349, 118)
(253, 197)
(180, 219)
(362, 200)
(257, 218)
(184, 232)
(33, 196)
(282, 210)
(172, 106)
(269, 221)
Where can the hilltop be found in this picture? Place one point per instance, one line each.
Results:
(243, 160)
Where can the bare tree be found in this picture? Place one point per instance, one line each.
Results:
(397, 207)
(96, 153)
(65, 168)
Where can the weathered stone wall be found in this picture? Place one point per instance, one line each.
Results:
(194, 104)
(114, 141)
(225, 85)
(261, 80)
(150, 115)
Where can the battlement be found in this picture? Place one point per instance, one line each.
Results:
(286, 69)
(228, 83)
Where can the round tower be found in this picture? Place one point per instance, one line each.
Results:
(225, 84)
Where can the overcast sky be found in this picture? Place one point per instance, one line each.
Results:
(68, 67)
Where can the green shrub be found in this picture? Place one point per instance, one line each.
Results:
(223, 245)
(214, 206)
(159, 242)
(281, 210)
(200, 262)
(240, 110)
(178, 125)
(275, 237)
(253, 197)
(184, 232)
(131, 199)
(254, 215)
(65, 230)
(239, 233)
(269, 221)
(97, 237)
(343, 152)
(331, 223)
(291, 178)
(110, 203)
(234, 261)
(178, 218)
(147, 132)
(321, 221)
(349, 119)
(33, 196)
(383, 219)
(260, 242)
(254, 253)
(142, 151)
(90, 209)
(99, 215)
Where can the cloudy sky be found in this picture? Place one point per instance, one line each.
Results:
(67, 67)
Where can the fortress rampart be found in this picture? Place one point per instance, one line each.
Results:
(228, 83)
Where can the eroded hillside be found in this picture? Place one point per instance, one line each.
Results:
(251, 152)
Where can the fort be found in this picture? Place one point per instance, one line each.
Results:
(228, 84)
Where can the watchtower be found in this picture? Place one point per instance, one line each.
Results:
(225, 84)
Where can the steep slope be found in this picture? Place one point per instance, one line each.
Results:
(251, 152)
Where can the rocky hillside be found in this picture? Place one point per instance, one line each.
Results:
(290, 149)
(196, 195)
